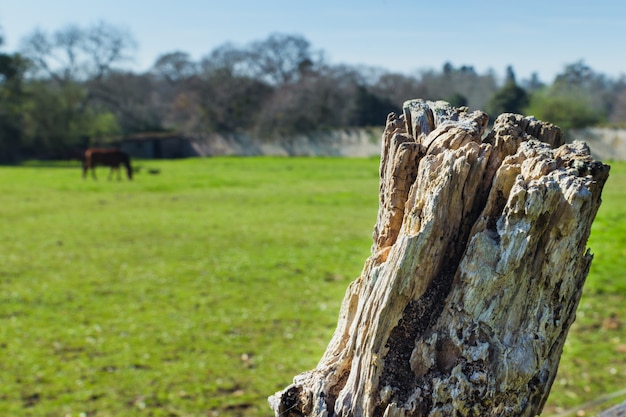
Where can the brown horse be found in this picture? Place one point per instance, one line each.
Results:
(108, 157)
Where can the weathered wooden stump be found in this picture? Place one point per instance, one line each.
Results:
(477, 267)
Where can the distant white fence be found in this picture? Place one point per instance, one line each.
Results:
(606, 144)
(347, 143)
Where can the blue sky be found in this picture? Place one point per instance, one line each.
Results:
(403, 36)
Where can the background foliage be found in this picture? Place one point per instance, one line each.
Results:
(69, 89)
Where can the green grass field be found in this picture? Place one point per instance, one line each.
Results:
(204, 289)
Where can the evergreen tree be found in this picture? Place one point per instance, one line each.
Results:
(511, 98)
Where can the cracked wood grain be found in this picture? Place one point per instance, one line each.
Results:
(478, 261)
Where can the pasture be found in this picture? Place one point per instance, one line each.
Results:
(204, 289)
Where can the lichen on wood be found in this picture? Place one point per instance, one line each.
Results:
(478, 262)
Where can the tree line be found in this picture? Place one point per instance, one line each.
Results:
(71, 88)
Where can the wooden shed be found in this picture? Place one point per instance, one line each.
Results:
(160, 145)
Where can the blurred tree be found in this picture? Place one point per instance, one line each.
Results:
(12, 68)
(218, 94)
(533, 84)
(281, 59)
(66, 77)
(511, 98)
(103, 125)
(51, 122)
(509, 77)
(464, 81)
(370, 109)
(457, 100)
(397, 88)
(567, 111)
(74, 54)
(226, 101)
(227, 58)
(580, 82)
(175, 67)
(578, 97)
(322, 100)
(140, 102)
(275, 86)
(618, 108)
(577, 74)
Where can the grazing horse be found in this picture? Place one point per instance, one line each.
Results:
(108, 157)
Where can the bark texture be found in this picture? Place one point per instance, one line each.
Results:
(477, 267)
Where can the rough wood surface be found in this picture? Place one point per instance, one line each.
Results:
(477, 267)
